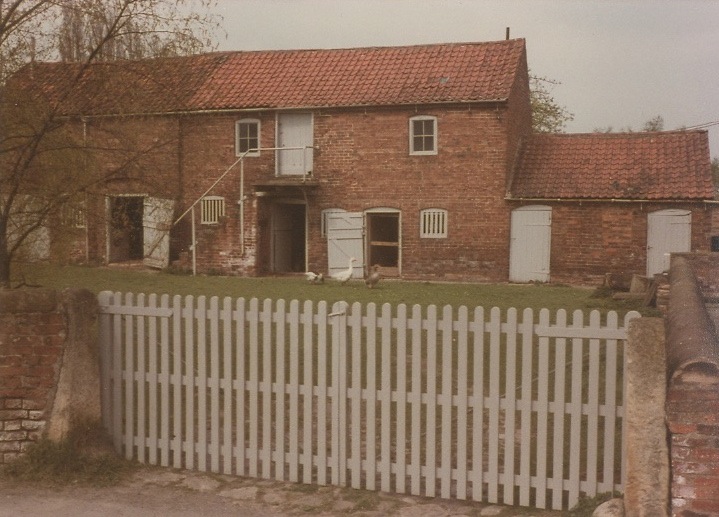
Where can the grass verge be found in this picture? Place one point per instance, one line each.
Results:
(81, 458)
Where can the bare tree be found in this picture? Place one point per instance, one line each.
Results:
(44, 161)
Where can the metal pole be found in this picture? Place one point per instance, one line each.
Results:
(242, 207)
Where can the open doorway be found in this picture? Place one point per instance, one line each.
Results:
(289, 243)
(125, 239)
(383, 242)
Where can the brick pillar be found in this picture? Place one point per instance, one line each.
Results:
(693, 419)
(32, 336)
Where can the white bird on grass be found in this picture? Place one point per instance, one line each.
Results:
(315, 278)
(345, 275)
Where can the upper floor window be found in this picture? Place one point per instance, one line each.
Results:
(247, 137)
(433, 223)
(212, 209)
(423, 135)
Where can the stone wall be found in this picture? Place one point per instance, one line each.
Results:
(49, 373)
(692, 408)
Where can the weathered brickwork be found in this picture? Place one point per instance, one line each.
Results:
(692, 406)
(361, 162)
(32, 337)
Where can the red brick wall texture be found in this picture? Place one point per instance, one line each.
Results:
(32, 337)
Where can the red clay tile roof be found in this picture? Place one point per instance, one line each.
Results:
(425, 74)
(665, 165)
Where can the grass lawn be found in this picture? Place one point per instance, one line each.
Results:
(98, 279)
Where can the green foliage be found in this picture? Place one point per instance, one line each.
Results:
(547, 115)
(81, 458)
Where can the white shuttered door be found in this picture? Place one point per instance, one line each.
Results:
(530, 245)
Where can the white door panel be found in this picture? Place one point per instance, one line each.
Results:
(530, 245)
(668, 231)
(156, 223)
(345, 239)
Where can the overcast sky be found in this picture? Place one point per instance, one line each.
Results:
(620, 62)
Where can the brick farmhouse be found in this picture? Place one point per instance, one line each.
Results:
(420, 159)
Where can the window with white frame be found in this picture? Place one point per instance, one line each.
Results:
(212, 209)
(433, 223)
(423, 135)
(247, 137)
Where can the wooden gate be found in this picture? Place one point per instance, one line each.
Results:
(516, 408)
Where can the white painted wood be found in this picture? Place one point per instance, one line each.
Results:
(592, 409)
(293, 395)
(308, 345)
(129, 378)
(322, 393)
(177, 381)
(266, 389)
(541, 441)
(385, 397)
(478, 405)
(430, 444)
(402, 400)
(668, 231)
(345, 240)
(370, 459)
(213, 315)
(294, 130)
(228, 415)
(356, 372)
(530, 244)
(201, 379)
(280, 394)
(510, 396)
(189, 442)
(415, 326)
(140, 378)
(157, 220)
(493, 404)
(164, 440)
(525, 407)
(462, 367)
(560, 361)
(253, 388)
(241, 359)
(354, 380)
(446, 335)
(575, 412)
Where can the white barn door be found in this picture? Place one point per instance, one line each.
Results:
(530, 244)
(668, 231)
(156, 223)
(345, 239)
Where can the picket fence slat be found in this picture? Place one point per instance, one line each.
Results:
(509, 407)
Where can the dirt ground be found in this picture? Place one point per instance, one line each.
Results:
(167, 492)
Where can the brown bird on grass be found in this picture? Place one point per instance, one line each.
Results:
(373, 278)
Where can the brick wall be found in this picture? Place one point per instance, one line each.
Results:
(32, 336)
(692, 407)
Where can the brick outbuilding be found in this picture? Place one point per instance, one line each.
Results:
(420, 159)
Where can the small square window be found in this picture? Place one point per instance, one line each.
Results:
(247, 137)
(433, 223)
(423, 135)
(212, 209)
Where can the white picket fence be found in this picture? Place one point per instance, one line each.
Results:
(502, 408)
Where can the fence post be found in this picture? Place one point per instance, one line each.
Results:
(646, 491)
(339, 387)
